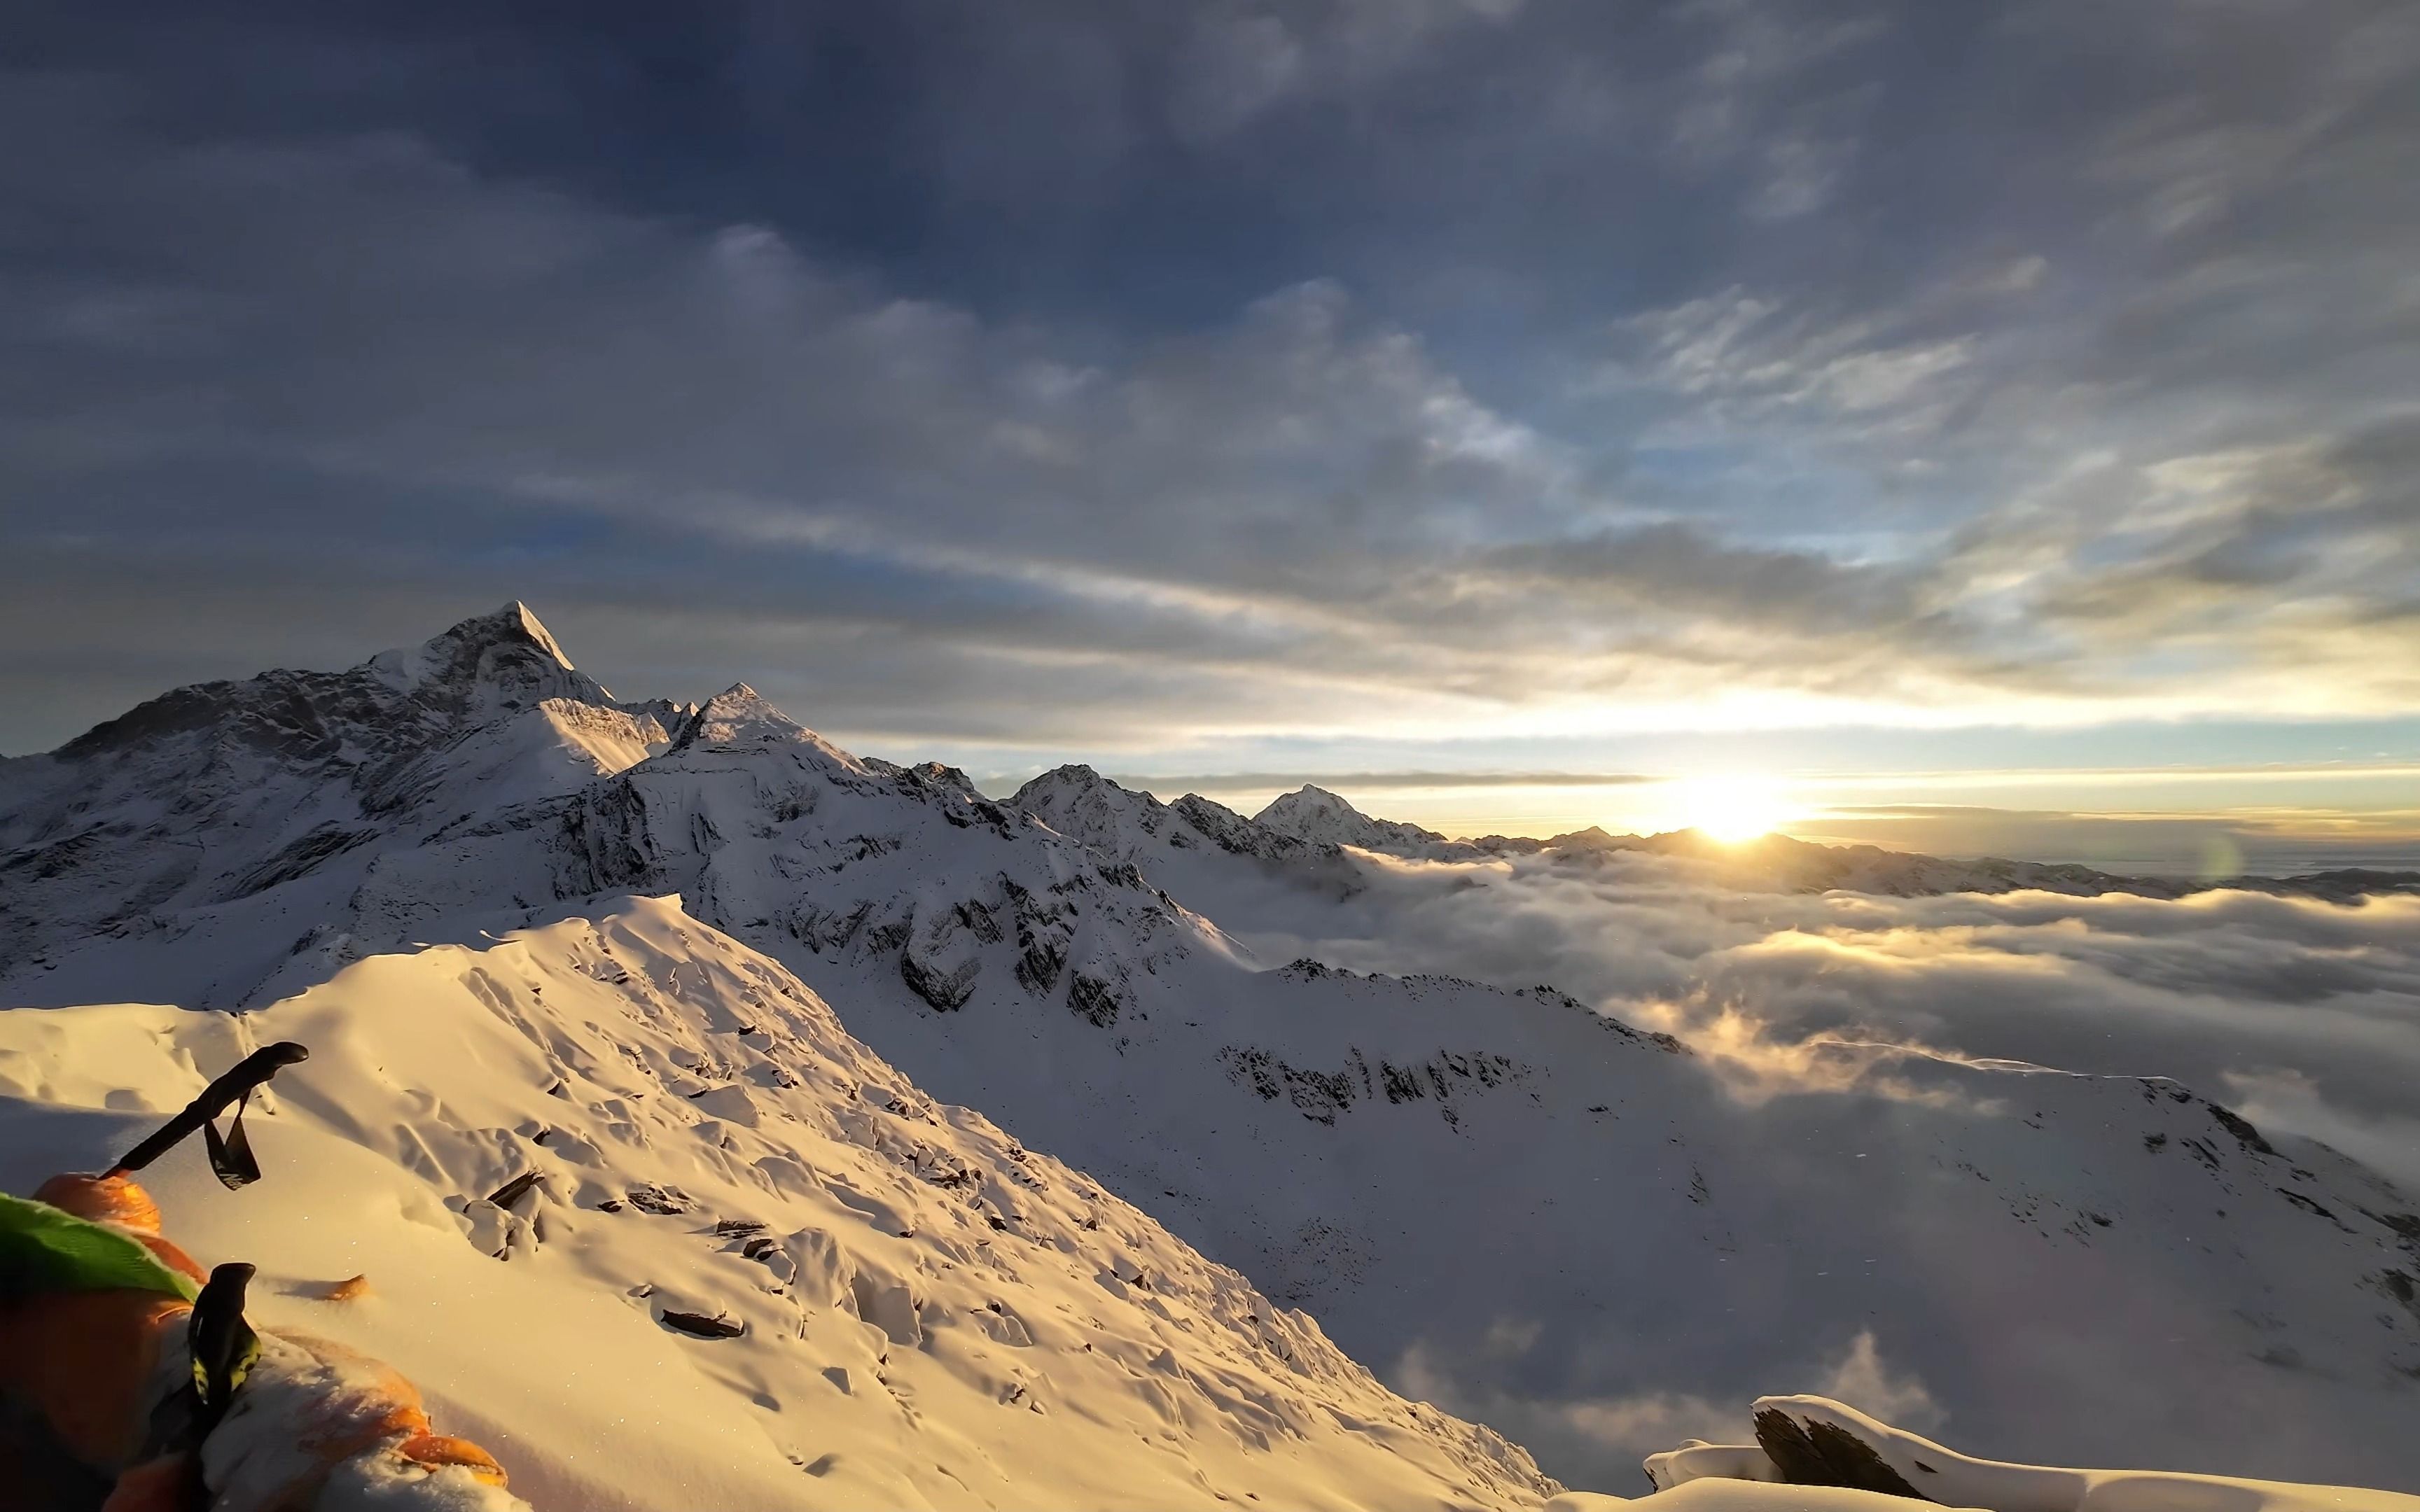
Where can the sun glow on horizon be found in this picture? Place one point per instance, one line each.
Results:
(1732, 808)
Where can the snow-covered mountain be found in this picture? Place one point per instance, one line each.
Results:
(1082, 804)
(1503, 1196)
(197, 803)
(212, 795)
(629, 1202)
(1316, 815)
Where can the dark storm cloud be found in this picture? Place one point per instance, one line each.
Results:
(1092, 374)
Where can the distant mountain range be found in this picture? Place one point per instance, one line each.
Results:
(1505, 1188)
(1319, 818)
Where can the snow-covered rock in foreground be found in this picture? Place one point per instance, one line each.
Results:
(637, 1214)
(1812, 1453)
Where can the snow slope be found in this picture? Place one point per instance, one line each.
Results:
(928, 1312)
(1541, 1216)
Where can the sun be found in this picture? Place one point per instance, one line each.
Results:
(1732, 809)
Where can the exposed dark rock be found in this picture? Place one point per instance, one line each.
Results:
(1095, 1000)
(697, 1325)
(2312, 1208)
(2241, 1127)
(663, 1200)
(514, 1189)
(1822, 1453)
(301, 858)
(946, 991)
(2398, 1287)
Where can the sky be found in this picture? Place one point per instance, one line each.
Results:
(1967, 427)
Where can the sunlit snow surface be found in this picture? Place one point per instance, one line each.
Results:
(933, 1315)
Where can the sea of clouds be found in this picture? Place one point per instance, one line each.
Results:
(2301, 1014)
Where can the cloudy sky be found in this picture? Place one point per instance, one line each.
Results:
(1989, 420)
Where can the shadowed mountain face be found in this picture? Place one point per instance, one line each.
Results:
(480, 668)
(212, 794)
(1517, 1202)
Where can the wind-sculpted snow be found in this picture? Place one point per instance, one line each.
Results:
(1742, 1143)
(629, 1200)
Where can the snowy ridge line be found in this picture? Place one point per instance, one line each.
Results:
(1990, 1063)
(821, 1287)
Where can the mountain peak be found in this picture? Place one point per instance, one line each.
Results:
(741, 704)
(485, 666)
(1309, 802)
(519, 613)
(740, 716)
(1081, 803)
(1313, 813)
(502, 659)
(514, 625)
(1071, 776)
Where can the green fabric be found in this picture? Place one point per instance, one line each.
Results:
(43, 1249)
